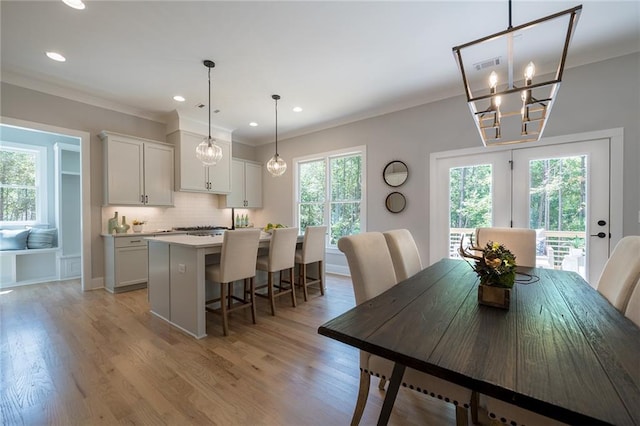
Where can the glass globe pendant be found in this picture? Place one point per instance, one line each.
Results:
(208, 151)
(276, 165)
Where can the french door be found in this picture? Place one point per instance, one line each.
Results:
(561, 191)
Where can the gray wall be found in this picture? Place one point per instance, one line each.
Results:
(593, 97)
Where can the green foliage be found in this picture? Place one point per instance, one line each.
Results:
(17, 185)
(496, 266)
(470, 196)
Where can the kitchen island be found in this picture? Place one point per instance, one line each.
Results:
(177, 291)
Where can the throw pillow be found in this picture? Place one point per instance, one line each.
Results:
(13, 239)
(41, 238)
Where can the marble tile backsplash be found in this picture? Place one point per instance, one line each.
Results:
(190, 209)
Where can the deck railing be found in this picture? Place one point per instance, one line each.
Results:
(560, 241)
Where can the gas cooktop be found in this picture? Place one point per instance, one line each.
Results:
(200, 228)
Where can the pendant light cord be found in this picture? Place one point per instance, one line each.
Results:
(276, 127)
(210, 104)
(510, 25)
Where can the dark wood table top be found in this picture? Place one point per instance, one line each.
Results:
(561, 350)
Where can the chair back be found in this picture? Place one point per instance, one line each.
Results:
(282, 249)
(238, 254)
(404, 253)
(314, 243)
(621, 272)
(370, 264)
(633, 306)
(520, 241)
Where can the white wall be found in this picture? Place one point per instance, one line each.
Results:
(593, 97)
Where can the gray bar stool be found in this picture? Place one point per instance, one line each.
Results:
(313, 248)
(281, 256)
(237, 262)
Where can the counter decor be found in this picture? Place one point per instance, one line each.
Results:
(495, 265)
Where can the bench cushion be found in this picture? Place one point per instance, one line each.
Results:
(41, 238)
(13, 239)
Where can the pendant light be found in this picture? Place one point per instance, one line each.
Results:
(276, 165)
(208, 151)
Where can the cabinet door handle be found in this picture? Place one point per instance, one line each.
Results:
(146, 199)
(142, 199)
(135, 241)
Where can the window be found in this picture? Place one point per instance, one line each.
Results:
(22, 184)
(330, 190)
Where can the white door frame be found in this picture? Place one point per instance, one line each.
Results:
(85, 187)
(616, 138)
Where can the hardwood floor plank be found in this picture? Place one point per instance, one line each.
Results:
(78, 358)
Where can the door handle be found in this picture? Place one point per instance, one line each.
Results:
(602, 222)
(599, 235)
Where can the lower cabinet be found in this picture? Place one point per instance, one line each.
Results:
(126, 263)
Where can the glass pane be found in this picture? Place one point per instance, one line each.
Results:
(345, 220)
(469, 202)
(312, 184)
(17, 168)
(346, 179)
(310, 215)
(557, 211)
(17, 204)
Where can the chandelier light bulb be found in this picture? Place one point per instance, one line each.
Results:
(529, 72)
(493, 80)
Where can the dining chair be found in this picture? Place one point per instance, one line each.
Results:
(312, 251)
(237, 262)
(621, 272)
(633, 306)
(281, 257)
(372, 272)
(520, 241)
(404, 253)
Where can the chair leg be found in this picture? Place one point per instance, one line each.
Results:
(223, 308)
(363, 393)
(321, 277)
(272, 298)
(475, 403)
(462, 416)
(230, 295)
(252, 286)
(382, 383)
(303, 280)
(293, 287)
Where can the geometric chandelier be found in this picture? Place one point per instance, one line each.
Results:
(509, 101)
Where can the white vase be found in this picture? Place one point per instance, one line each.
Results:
(137, 228)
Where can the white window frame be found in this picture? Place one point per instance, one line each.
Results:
(42, 212)
(327, 156)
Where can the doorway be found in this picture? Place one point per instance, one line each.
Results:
(563, 190)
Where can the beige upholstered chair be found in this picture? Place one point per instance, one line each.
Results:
(404, 253)
(520, 241)
(312, 251)
(633, 307)
(621, 272)
(282, 250)
(372, 273)
(237, 262)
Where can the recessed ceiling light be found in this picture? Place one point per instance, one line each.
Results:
(179, 98)
(297, 109)
(76, 4)
(56, 56)
(253, 124)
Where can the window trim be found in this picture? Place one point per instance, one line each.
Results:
(42, 161)
(362, 151)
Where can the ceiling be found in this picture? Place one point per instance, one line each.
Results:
(340, 61)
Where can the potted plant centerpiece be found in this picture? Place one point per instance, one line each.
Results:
(137, 225)
(496, 267)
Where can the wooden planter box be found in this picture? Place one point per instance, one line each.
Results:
(498, 297)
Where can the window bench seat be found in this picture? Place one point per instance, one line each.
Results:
(31, 266)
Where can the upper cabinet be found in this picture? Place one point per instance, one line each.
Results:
(137, 171)
(191, 175)
(246, 185)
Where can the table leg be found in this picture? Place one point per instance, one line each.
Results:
(392, 391)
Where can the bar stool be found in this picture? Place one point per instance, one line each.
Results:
(313, 248)
(237, 262)
(281, 256)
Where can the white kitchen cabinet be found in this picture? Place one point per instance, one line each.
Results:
(137, 171)
(125, 262)
(246, 185)
(191, 175)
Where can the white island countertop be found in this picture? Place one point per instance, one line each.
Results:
(196, 241)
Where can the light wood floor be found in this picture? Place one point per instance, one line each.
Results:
(71, 357)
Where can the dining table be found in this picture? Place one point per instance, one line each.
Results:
(560, 350)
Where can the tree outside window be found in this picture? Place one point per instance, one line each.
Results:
(18, 185)
(330, 191)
